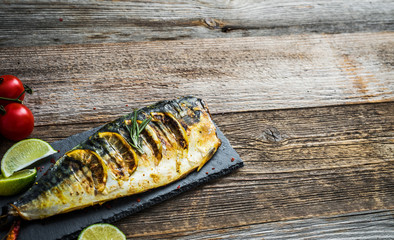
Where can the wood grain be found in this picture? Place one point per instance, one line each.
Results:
(362, 225)
(311, 166)
(304, 90)
(299, 163)
(32, 23)
(94, 83)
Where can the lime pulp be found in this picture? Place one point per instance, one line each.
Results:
(101, 231)
(23, 154)
(17, 182)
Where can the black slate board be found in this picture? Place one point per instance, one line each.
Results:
(68, 226)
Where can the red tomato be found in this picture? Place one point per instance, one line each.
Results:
(10, 87)
(17, 123)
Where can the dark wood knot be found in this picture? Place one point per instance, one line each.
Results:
(211, 23)
(272, 134)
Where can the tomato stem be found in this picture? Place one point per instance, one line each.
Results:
(2, 110)
(26, 89)
(11, 99)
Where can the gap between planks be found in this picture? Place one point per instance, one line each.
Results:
(95, 82)
(124, 21)
(368, 224)
(312, 183)
(305, 163)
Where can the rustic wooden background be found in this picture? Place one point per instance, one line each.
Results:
(304, 90)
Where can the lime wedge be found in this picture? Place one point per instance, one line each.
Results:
(24, 153)
(17, 182)
(101, 231)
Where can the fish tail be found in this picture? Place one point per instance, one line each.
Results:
(4, 217)
(7, 215)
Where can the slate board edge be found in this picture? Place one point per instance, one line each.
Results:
(162, 198)
(224, 152)
(153, 201)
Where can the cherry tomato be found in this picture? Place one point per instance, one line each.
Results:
(10, 87)
(17, 123)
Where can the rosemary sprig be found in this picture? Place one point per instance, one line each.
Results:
(136, 130)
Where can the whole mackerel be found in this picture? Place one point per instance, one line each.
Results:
(179, 139)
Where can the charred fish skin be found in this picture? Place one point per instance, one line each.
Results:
(179, 139)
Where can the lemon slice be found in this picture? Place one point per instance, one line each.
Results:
(121, 151)
(101, 231)
(17, 182)
(24, 153)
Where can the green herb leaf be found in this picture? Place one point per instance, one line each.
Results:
(143, 124)
(136, 130)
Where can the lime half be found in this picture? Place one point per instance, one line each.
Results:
(101, 231)
(17, 182)
(24, 153)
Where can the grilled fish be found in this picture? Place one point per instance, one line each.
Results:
(179, 139)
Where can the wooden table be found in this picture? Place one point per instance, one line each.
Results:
(304, 90)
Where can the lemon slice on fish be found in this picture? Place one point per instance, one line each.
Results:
(17, 182)
(24, 153)
(101, 231)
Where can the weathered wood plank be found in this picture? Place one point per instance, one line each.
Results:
(355, 226)
(32, 23)
(311, 178)
(299, 163)
(90, 83)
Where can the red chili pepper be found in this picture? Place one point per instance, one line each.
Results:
(232, 159)
(207, 173)
(53, 160)
(138, 200)
(213, 168)
(179, 186)
(14, 232)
